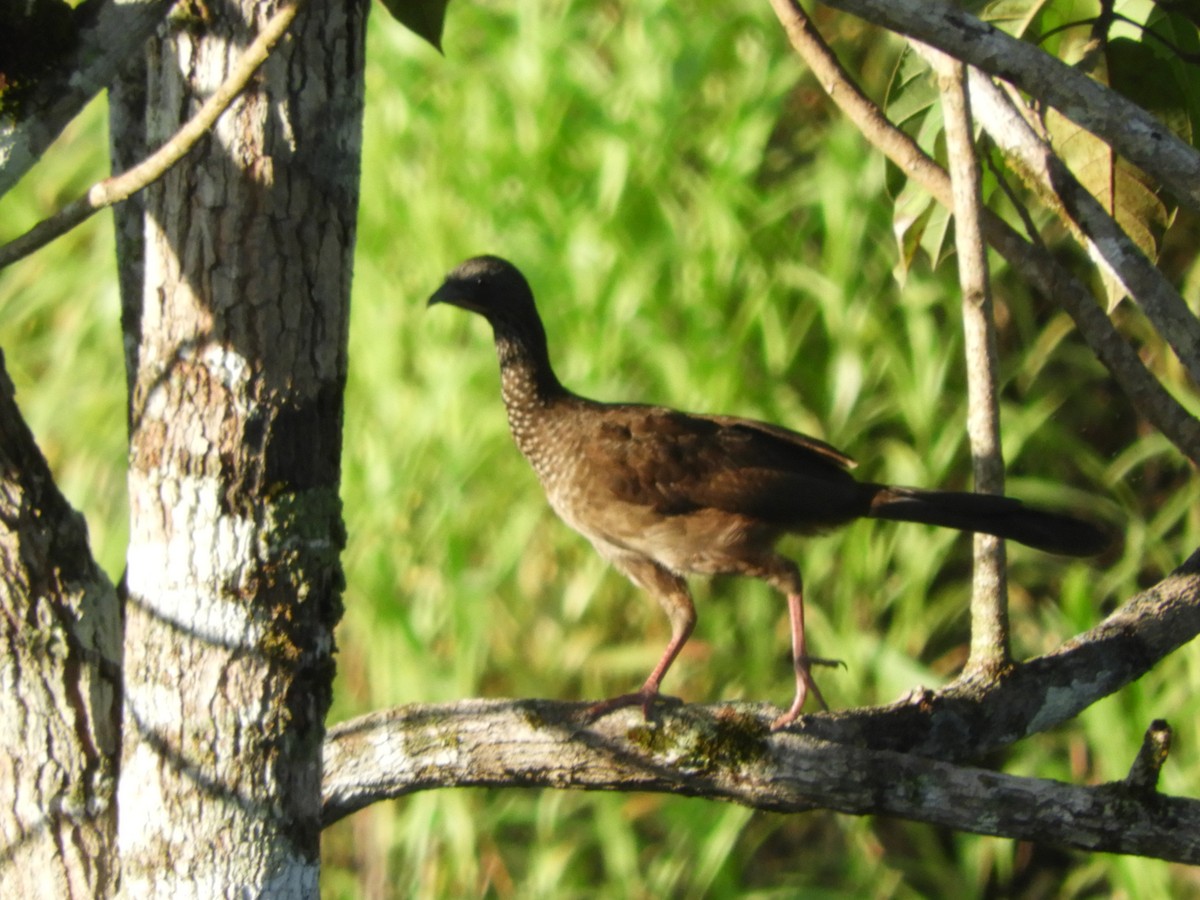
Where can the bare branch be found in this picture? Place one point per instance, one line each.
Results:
(724, 753)
(989, 588)
(1143, 774)
(1129, 129)
(892, 760)
(116, 29)
(975, 715)
(120, 187)
(1034, 263)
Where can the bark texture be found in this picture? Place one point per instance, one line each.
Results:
(727, 752)
(108, 33)
(236, 349)
(59, 662)
(904, 759)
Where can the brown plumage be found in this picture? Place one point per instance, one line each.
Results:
(662, 494)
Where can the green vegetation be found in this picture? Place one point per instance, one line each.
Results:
(701, 230)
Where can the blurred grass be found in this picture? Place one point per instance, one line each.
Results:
(61, 336)
(700, 231)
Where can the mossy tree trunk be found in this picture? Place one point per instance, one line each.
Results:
(236, 352)
(235, 278)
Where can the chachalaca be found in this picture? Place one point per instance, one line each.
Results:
(662, 494)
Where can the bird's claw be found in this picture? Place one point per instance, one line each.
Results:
(647, 700)
(784, 721)
(825, 661)
(804, 687)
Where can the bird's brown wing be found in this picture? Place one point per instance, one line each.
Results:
(675, 463)
(792, 439)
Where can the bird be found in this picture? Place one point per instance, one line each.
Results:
(663, 494)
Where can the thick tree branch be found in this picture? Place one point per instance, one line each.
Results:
(1129, 129)
(114, 31)
(119, 187)
(725, 753)
(894, 760)
(975, 715)
(1036, 264)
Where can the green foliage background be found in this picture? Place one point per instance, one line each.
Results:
(701, 230)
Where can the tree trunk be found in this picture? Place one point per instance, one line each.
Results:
(237, 360)
(59, 669)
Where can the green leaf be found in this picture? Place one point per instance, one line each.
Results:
(1176, 39)
(912, 92)
(1144, 73)
(1016, 17)
(1126, 192)
(423, 18)
(1123, 190)
(919, 224)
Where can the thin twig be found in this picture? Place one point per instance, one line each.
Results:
(1034, 263)
(120, 187)
(989, 589)
(1156, 744)
(1017, 204)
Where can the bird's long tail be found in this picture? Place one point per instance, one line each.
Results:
(991, 514)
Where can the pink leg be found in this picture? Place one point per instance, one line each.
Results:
(672, 594)
(648, 693)
(801, 662)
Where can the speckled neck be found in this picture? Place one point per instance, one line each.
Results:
(530, 388)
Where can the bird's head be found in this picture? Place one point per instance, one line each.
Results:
(496, 290)
(490, 286)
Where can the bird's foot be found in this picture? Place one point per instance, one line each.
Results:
(786, 720)
(789, 718)
(805, 685)
(643, 698)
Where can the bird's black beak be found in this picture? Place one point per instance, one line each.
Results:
(456, 293)
(444, 294)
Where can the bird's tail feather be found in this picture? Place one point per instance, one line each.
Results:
(991, 514)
